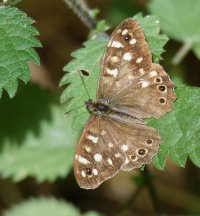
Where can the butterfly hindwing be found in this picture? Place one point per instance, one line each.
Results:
(96, 157)
(106, 146)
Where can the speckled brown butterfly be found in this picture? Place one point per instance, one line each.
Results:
(130, 88)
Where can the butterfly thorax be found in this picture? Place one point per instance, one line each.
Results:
(97, 107)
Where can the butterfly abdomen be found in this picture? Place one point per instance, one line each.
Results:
(124, 117)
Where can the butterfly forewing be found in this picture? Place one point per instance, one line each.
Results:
(127, 56)
(129, 79)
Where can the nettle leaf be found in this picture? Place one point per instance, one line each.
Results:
(180, 129)
(88, 58)
(46, 206)
(35, 138)
(17, 39)
(179, 20)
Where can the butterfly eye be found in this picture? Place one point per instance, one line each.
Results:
(102, 107)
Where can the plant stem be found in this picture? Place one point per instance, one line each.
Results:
(152, 191)
(131, 200)
(82, 10)
(185, 48)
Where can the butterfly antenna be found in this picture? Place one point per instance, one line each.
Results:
(85, 73)
(73, 109)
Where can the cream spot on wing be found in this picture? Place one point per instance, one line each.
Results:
(83, 173)
(125, 31)
(139, 60)
(87, 148)
(117, 83)
(109, 161)
(113, 72)
(93, 138)
(83, 160)
(130, 77)
(109, 43)
(116, 44)
(132, 41)
(103, 132)
(124, 148)
(127, 56)
(98, 157)
(153, 73)
(141, 70)
(144, 83)
(110, 145)
(119, 31)
(95, 172)
(114, 59)
(117, 155)
(126, 161)
(76, 156)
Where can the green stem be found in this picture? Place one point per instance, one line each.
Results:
(185, 48)
(152, 190)
(82, 10)
(130, 201)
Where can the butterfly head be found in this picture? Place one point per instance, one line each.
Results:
(98, 108)
(90, 105)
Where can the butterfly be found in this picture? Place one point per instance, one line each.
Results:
(130, 89)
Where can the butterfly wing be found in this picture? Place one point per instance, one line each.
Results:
(129, 79)
(94, 160)
(106, 146)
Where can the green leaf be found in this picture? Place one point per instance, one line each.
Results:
(179, 20)
(180, 129)
(17, 39)
(88, 58)
(46, 207)
(35, 137)
(43, 207)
